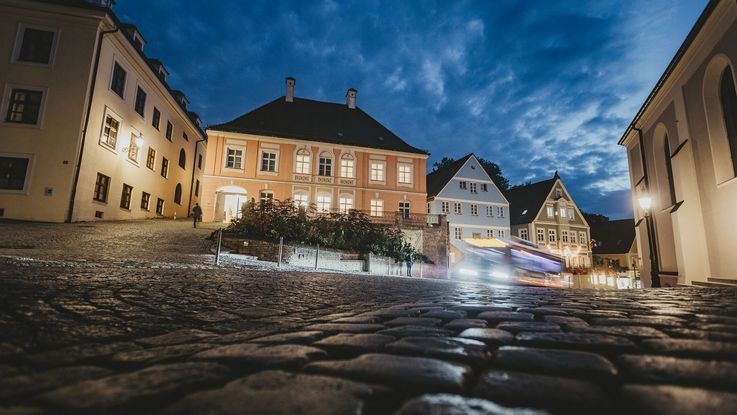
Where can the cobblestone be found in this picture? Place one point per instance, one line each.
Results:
(133, 317)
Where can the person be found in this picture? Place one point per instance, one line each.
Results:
(196, 214)
(408, 259)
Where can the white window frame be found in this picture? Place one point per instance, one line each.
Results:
(324, 202)
(377, 171)
(240, 148)
(463, 184)
(327, 156)
(6, 103)
(347, 166)
(127, 78)
(444, 207)
(458, 233)
(19, 42)
(269, 151)
(564, 236)
(402, 209)
(541, 234)
(582, 238)
(345, 202)
(490, 233)
(500, 211)
(376, 208)
(458, 208)
(301, 199)
(550, 211)
(523, 234)
(303, 161)
(265, 194)
(29, 169)
(110, 113)
(474, 209)
(572, 236)
(562, 212)
(490, 211)
(131, 145)
(502, 234)
(552, 236)
(571, 213)
(404, 178)
(473, 187)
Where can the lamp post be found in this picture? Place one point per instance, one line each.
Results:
(646, 203)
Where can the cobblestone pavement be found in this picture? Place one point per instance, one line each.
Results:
(131, 317)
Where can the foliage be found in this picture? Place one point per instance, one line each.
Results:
(352, 231)
(593, 218)
(492, 169)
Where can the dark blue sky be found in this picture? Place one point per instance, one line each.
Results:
(535, 86)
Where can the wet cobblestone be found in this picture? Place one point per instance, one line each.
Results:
(134, 317)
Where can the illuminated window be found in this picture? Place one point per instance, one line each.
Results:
(541, 235)
(234, 158)
(573, 237)
(347, 164)
(550, 211)
(405, 173)
(102, 185)
(110, 131)
(582, 238)
(552, 236)
(325, 166)
(377, 171)
(562, 212)
(268, 161)
(564, 236)
(24, 106)
(377, 207)
(300, 199)
(345, 203)
(570, 213)
(523, 234)
(133, 149)
(303, 162)
(324, 202)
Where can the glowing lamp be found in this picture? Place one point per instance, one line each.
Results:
(645, 202)
(139, 141)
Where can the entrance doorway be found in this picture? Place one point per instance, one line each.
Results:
(233, 207)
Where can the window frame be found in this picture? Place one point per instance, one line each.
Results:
(320, 200)
(146, 201)
(164, 167)
(343, 206)
(7, 95)
(473, 187)
(126, 71)
(523, 234)
(380, 170)
(27, 178)
(182, 162)
(489, 211)
(474, 209)
(178, 191)
(463, 184)
(126, 197)
(139, 91)
(405, 210)
(457, 208)
(297, 197)
(458, 233)
(101, 190)
(550, 210)
(552, 236)
(20, 36)
(110, 113)
(444, 207)
(376, 208)
(541, 235)
(156, 119)
(582, 238)
(409, 174)
(345, 168)
(500, 211)
(132, 145)
(303, 161)
(242, 156)
(324, 164)
(169, 130)
(160, 206)
(270, 152)
(151, 159)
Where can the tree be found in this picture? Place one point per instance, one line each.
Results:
(593, 218)
(443, 163)
(491, 168)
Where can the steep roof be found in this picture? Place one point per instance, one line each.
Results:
(525, 201)
(326, 122)
(437, 180)
(613, 237)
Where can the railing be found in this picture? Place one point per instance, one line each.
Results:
(396, 217)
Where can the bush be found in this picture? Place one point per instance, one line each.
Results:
(352, 231)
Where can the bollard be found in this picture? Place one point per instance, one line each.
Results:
(281, 247)
(317, 255)
(217, 249)
(421, 268)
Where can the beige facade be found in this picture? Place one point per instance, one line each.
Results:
(681, 148)
(100, 135)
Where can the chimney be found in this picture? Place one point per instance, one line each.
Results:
(350, 98)
(290, 89)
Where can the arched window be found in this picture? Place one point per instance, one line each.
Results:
(301, 199)
(325, 168)
(669, 171)
(182, 158)
(302, 161)
(728, 99)
(347, 163)
(178, 194)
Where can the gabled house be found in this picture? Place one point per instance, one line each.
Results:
(546, 214)
(473, 205)
(614, 247)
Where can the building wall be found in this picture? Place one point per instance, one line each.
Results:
(52, 144)
(220, 182)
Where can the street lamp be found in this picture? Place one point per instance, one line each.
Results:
(646, 202)
(139, 141)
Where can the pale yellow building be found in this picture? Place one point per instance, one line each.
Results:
(682, 152)
(90, 129)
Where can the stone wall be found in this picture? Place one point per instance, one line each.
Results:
(435, 246)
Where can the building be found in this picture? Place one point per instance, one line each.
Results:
(90, 128)
(682, 153)
(332, 155)
(466, 195)
(546, 214)
(614, 250)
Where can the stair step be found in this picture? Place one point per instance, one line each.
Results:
(728, 281)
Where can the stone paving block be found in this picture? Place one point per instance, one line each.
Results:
(582, 341)
(300, 337)
(676, 400)
(20, 410)
(9, 350)
(494, 317)
(635, 332)
(358, 319)
(160, 354)
(666, 369)
(131, 392)
(444, 314)
(467, 351)
(280, 393)
(399, 372)
(446, 404)
(406, 331)
(263, 356)
(519, 326)
(589, 366)
(413, 321)
(354, 343)
(566, 321)
(541, 391)
(34, 382)
(345, 327)
(488, 336)
(654, 321)
(81, 353)
(177, 337)
(546, 311)
(692, 348)
(465, 323)
(475, 309)
(702, 334)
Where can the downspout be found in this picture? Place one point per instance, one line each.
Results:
(194, 168)
(78, 164)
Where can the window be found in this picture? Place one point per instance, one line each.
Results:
(345, 203)
(550, 211)
(463, 184)
(573, 237)
(473, 188)
(404, 209)
(169, 130)
(500, 211)
(347, 163)
(301, 199)
(125, 196)
(570, 213)
(405, 174)
(156, 118)
(490, 233)
(445, 207)
(160, 206)
(197, 187)
(268, 161)
(458, 233)
(502, 234)
(234, 158)
(184, 136)
(199, 161)
(552, 237)
(523, 234)
(428, 209)
(540, 235)
(564, 236)
(302, 162)
(145, 200)
(582, 238)
(24, 106)
(36, 46)
(457, 208)
(101, 187)
(151, 158)
(562, 212)
(178, 194)
(117, 84)
(325, 166)
(140, 106)
(377, 171)
(484, 187)
(133, 149)
(728, 100)
(110, 131)
(13, 172)
(377, 207)
(324, 202)
(558, 193)
(474, 209)
(265, 196)
(164, 167)
(489, 211)
(182, 159)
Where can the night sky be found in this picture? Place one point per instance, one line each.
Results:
(535, 86)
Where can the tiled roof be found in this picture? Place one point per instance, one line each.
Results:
(525, 201)
(613, 237)
(309, 120)
(437, 180)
